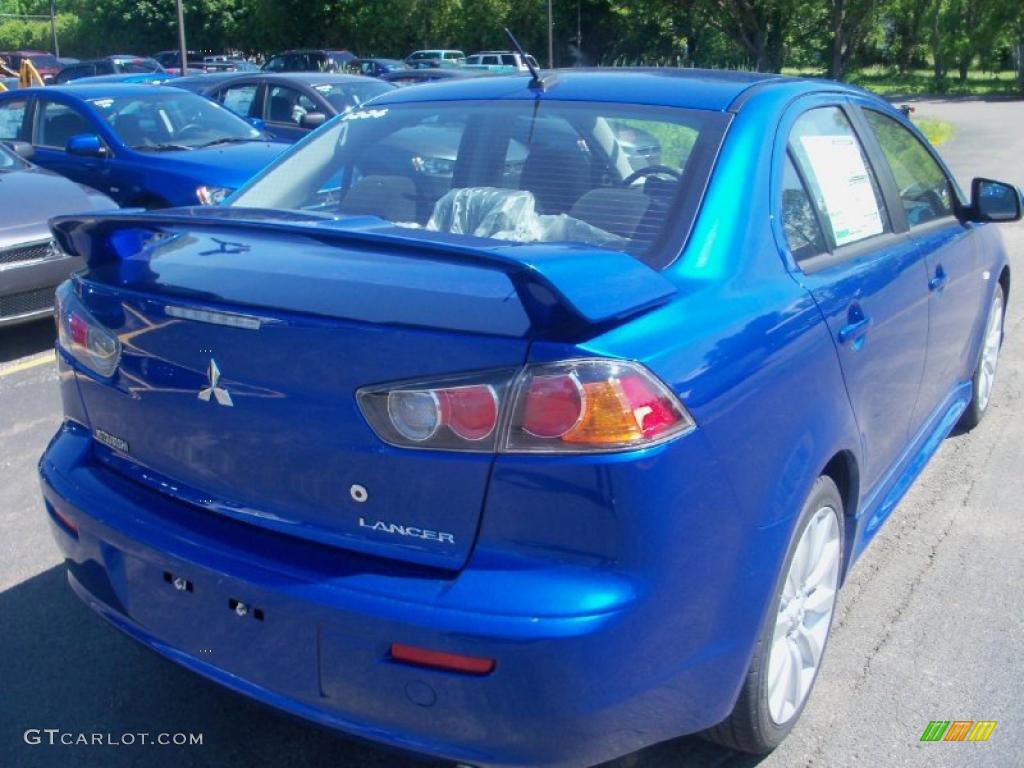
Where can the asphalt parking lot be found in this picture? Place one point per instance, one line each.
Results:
(930, 625)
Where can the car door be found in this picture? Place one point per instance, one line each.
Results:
(868, 278)
(240, 98)
(55, 122)
(283, 109)
(958, 292)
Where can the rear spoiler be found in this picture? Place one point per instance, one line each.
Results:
(592, 285)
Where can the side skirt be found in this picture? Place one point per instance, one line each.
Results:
(878, 507)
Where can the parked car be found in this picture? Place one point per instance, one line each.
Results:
(31, 266)
(555, 465)
(436, 58)
(376, 67)
(150, 78)
(500, 61)
(46, 64)
(195, 62)
(425, 75)
(144, 146)
(109, 65)
(288, 106)
(309, 61)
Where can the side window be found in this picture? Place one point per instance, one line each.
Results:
(276, 64)
(286, 105)
(924, 188)
(12, 120)
(56, 123)
(239, 99)
(840, 180)
(800, 222)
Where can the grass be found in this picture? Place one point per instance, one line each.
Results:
(937, 131)
(919, 82)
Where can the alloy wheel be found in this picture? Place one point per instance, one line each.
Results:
(805, 615)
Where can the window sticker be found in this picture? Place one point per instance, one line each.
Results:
(845, 186)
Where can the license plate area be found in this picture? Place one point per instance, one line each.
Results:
(224, 622)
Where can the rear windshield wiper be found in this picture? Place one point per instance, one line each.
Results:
(161, 147)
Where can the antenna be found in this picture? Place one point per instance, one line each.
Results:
(536, 81)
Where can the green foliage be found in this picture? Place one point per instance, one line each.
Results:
(954, 39)
(936, 131)
(676, 140)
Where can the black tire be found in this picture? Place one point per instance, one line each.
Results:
(978, 407)
(750, 727)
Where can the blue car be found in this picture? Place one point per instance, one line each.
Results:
(531, 455)
(141, 145)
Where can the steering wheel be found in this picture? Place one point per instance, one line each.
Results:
(190, 127)
(651, 170)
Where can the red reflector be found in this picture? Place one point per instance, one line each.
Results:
(62, 520)
(452, 662)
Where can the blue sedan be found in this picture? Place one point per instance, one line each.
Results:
(143, 146)
(534, 454)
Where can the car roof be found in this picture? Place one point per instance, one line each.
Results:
(689, 88)
(313, 50)
(93, 90)
(298, 78)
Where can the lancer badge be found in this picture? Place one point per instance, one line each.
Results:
(221, 395)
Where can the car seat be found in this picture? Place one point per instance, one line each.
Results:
(390, 197)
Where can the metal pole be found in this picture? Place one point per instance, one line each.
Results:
(551, 38)
(53, 27)
(181, 39)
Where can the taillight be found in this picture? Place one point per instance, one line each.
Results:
(578, 406)
(82, 336)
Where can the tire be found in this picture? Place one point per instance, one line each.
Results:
(763, 717)
(984, 378)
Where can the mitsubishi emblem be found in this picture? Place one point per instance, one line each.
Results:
(221, 395)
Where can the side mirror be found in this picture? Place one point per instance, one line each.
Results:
(312, 120)
(85, 145)
(22, 149)
(994, 201)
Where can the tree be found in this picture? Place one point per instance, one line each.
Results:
(759, 26)
(850, 23)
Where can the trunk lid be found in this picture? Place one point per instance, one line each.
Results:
(279, 325)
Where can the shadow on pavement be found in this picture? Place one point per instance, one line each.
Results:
(28, 339)
(63, 667)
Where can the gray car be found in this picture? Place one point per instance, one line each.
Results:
(31, 265)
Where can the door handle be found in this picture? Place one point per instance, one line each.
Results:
(938, 282)
(856, 326)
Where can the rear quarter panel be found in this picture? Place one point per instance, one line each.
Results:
(700, 524)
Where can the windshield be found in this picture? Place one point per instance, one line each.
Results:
(9, 161)
(135, 66)
(45, 61)
(346, 96)
(605, 175)
(171, 119)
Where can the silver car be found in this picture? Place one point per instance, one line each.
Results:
(31, 265)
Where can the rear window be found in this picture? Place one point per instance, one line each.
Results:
(623, 177)
(44, 61)
(346, 96)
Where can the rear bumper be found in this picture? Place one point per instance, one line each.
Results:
(567, 691)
